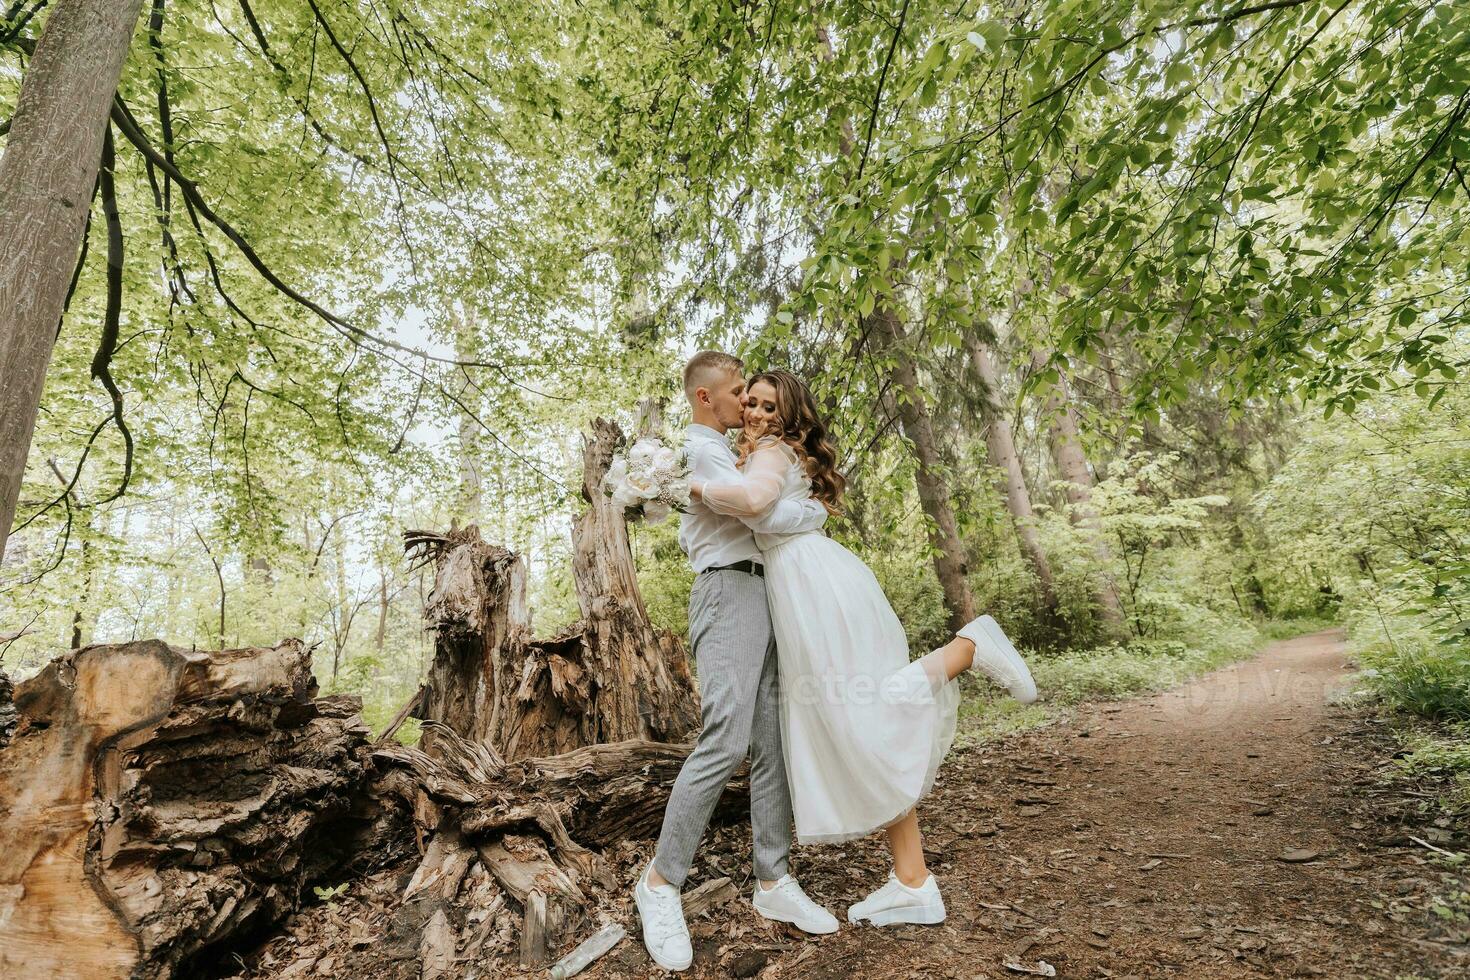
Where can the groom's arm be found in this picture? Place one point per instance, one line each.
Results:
(756, 498)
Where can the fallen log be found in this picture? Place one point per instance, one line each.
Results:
(159, 805)
(538, 826)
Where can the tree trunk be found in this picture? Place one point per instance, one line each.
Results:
(155, 802)
(642, 672)
(944, 535)
(611, 676)
(382, 632)
(46, 178)
(469, 501)
(1001, 445)
(1071, 464)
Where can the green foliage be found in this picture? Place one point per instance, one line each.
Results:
(1143, 665)
(1375, 515)
(1187, 226)
(330, 894)
(1417, 674)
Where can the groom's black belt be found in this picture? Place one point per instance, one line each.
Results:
(749, 567)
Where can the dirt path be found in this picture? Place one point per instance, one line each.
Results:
(1211, 831)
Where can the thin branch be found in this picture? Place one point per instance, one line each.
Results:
(107, 344)
(878, 95)
(357, 335)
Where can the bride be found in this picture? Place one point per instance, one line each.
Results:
(863, 729)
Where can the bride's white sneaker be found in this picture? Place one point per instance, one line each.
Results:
(894, 903)
(786, 902)
(997, 659)
(664, 931)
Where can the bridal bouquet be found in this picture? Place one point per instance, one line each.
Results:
(650, 482)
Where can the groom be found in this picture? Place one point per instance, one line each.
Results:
(735, 657)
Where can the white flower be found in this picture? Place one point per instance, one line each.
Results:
(643, 482)
(616, 473)
(649, 481)
(624, 497)
(676, 492)
(643, 451)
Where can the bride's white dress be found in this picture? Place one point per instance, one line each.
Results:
(863, 728)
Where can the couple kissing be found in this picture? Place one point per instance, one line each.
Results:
(802, 664)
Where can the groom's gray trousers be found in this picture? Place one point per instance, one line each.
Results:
(735, 656)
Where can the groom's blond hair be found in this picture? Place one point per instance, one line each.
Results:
(708, 367)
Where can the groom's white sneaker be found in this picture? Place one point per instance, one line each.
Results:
(786, 902)
(997, 659)
(895, 903)
(664, 931)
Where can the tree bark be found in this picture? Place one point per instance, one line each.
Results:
(1001, 445)
(611, 676)
(523, 850)
(157, 802)
(382, 632)
(642, 672)
(1071, 463)
(944, 535)
(162, 809)
(469, 501)
(46, 178)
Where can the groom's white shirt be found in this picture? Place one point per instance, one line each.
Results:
(711, 539)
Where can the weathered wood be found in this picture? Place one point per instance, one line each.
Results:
(538, 825)
(436, 947)
(156, 803)
(710, 895)
(610, 677)
(478, 611)
(538, 933)
(640, 675)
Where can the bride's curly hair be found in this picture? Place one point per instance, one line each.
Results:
(801, 427)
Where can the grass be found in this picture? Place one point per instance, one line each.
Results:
(1419, 675)
(1439, 757)
(1113, 672)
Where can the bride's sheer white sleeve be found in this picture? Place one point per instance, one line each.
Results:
(754, 490)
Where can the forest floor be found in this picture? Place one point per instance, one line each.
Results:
(1249, 823)
(1237, 826)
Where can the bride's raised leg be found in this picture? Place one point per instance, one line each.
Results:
(957, 655)
(999, 660)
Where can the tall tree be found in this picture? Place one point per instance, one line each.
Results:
(929, 472)
(1060, 419)
(47, 174)
(1000, 447)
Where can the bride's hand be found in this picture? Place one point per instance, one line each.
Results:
(696, 489)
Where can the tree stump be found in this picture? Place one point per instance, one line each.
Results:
(657, 699)
(610, 677)
(157, 804)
